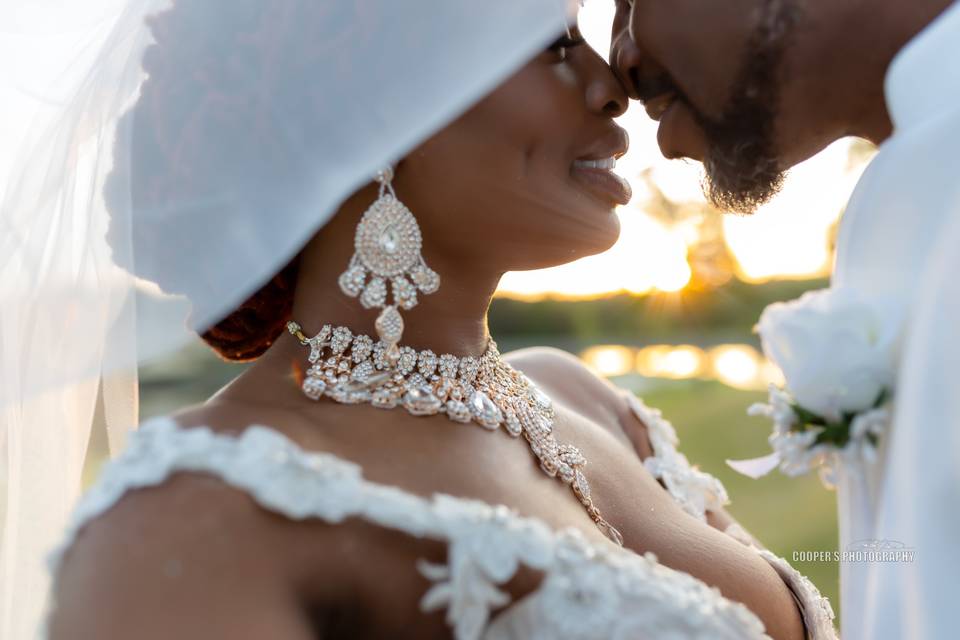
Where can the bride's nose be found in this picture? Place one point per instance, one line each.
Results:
(605, 93)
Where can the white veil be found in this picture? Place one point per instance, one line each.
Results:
(95, 275)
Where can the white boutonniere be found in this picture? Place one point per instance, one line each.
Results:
(838, 354)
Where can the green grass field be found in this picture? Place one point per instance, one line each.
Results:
(785, 514)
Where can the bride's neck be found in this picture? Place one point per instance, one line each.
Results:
(452, 320)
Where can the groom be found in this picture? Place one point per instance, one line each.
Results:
(752, 87)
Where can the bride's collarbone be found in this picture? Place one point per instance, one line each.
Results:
(428, 455)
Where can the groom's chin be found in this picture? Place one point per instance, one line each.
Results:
(741, 189)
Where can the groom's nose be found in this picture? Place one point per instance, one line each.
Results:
(680, 134)
(638, 72)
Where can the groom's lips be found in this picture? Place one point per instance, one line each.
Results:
(679, 135)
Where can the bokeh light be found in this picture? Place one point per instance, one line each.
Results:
(735, 365)
(739, 366)
(665, 361)
(609, 361)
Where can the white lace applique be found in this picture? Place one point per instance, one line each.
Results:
(696, 492)
(615, 594)
(486, 546)
(589, 591)
(270, 467)
(486, 543)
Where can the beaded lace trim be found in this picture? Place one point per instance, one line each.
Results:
(589, 592)
(696, 491)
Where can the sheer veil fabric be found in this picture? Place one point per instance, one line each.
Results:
(94, 281)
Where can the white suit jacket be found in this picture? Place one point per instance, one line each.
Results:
(900, 237)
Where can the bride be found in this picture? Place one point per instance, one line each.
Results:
(381, 470)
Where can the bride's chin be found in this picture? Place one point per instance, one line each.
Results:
(561, 254)
(605, 237)
(600, 236)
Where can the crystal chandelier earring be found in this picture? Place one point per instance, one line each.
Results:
(386, 256)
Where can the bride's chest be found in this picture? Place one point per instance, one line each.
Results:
(491, 467)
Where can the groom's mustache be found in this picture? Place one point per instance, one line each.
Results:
(648, 88)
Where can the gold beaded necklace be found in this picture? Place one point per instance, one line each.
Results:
(353, 369)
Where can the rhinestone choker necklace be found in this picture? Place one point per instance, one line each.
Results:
(353, 369)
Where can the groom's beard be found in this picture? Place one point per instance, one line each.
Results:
(741, 164)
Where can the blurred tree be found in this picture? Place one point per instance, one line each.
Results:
(709, 257)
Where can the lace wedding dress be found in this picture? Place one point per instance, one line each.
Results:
(588, 592)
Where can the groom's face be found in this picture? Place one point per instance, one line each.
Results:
(710, 72)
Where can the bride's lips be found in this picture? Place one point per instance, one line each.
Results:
(594, 170)
(602, 181)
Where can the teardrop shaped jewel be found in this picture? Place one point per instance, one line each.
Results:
(389, 325)
(484, 411)
(313, 387)
(390, 240)
(512, 423)
(611, 532)
(543, 400)
(377, 380)
(420, 401)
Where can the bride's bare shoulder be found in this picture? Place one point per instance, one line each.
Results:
(194, 557)
(552, 366)
(177, 560)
